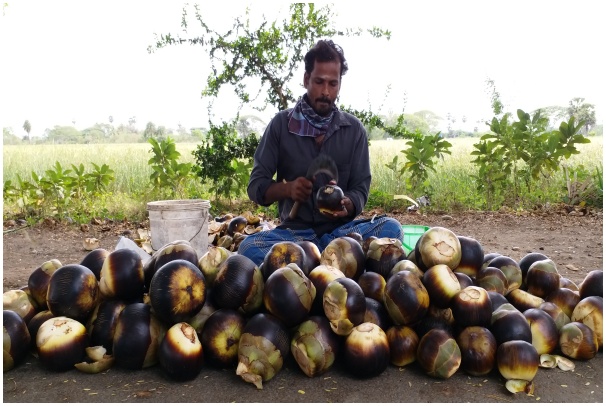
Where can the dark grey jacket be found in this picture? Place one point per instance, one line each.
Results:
(287, 156)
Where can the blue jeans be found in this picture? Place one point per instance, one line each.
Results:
(257, 245)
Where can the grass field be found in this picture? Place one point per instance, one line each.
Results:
(451, 186)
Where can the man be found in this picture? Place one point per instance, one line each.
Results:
(292, 140)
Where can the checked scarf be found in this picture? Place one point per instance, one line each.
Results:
(304, 121)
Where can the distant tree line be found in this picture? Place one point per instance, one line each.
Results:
(423, 122)
(103, 133)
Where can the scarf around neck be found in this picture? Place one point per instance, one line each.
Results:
(305, 122)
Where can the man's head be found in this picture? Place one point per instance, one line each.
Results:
(325, 64)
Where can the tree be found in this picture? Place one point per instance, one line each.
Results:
(8, 137)
(28, 128)
(198, 132)
(429, 117)
(181, 131)
(64, 135)
(249, 124)
(270, 54)
(131, 124)
(555, 115)
(150, 131)
(451, 119)
(100, 132)
(583, 112)
(111, 125)
(416, 124)
(412, 123)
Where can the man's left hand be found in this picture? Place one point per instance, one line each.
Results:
(347, 208)
(346, 204)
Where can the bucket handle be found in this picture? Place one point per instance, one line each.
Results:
(195, 235)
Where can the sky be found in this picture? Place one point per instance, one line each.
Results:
(65, 62)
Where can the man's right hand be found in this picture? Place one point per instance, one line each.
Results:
(300, 189)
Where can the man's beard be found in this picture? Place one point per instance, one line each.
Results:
(323, 109)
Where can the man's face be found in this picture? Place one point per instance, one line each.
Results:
(323, 85)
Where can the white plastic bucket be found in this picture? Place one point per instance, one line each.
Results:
(171, 220)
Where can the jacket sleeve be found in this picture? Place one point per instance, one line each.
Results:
(359, 182)
(265, 163)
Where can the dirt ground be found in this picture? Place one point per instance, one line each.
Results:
(572, 239)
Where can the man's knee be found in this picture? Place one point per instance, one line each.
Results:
(249, 249)
(392, 228)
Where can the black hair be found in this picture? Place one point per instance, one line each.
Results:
(325, 51)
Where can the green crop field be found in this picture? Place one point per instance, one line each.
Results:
(451, 186)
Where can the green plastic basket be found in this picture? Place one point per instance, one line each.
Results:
(412, 233)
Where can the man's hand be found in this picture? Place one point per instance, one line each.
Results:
(300, 189)
(348, 208)
(346, 204)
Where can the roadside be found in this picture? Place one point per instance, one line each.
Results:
(573, 242)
